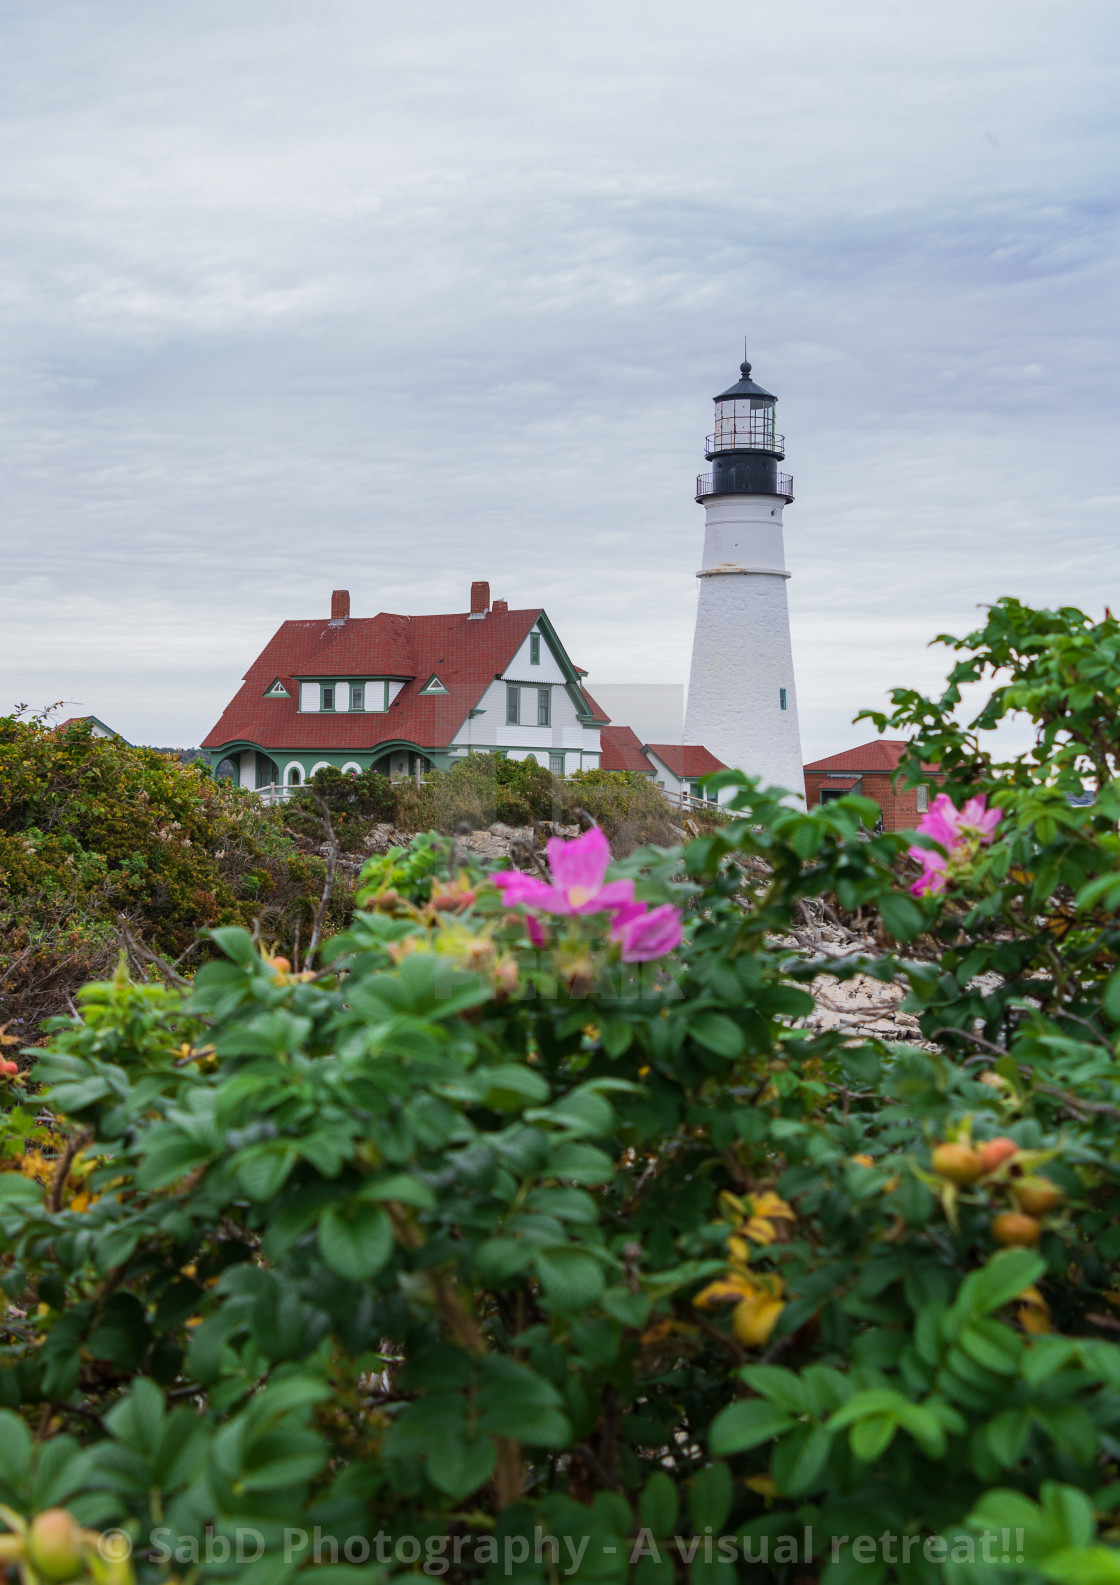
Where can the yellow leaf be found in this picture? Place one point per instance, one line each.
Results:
(754, 1319)
(764, 1485)
(725, 1290)
(773, 1206)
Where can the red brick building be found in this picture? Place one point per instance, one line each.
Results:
(868, 769)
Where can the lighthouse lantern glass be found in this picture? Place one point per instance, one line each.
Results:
(745, 423)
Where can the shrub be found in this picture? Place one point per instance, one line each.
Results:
(483, 1235)
(353, 803)
(95, 833)
(631, 809)
(479, 789)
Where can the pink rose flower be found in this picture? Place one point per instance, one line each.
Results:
(961, 832)
(578, 884)
(649, 934)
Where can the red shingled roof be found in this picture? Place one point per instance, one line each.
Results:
(686, 759)
(622, 750)
(882, 755)
(466, 656)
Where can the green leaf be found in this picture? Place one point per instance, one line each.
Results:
(235, 943)
(571, 1280)
(15, 1448)
(718, 1033)
(799, 1459)
(519, 1403)
(497, 1260)
(401, 1187)
(263, 1169)
(1088, 1565)
(459, 1464)
(629, 1309)
(781, 1386)
(994, 1346)
(744, 1425)
(1007, 1436)
(872, 1435)
(901, 915)
(578, 1163)
(1002, 1279)
(710, 1497)
(356, 1241)
(659, 1504)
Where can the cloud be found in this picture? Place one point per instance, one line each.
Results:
(294, 298)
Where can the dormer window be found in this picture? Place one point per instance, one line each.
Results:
(327, 700)
(357, 696)
(433, 685)
(276, 690)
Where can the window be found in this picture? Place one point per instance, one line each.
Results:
(357, 696)
(227, 771)
(781, 699)
(544, 706)
(556, 764)
(295, 776)
(268, 774)
(534, 649)
(923, 800)
(328, 696)
(513, 705)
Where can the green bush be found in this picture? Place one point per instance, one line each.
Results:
(353, 803)
(95, 833)
(631, 809)
(478, 790)
(477, 1237)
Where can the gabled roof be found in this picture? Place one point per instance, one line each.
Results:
(882, 756)
(622, 750)
(466, 655)
(686, 759)
(98, 728)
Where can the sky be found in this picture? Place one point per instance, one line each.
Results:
(393, 296)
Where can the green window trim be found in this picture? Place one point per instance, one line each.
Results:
(326, 696)
(357, 696)
(513, 704)
(544, 706)
(534, 649)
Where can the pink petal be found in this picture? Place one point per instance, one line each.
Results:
(537, 931)
(651, 935)
(623, 916)
(615, 894)
(518, 888)
(579, 865)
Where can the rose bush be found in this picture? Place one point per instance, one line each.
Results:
(488, 1228)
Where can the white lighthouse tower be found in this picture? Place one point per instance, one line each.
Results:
(742, 703)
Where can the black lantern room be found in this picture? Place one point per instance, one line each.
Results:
(745, 449)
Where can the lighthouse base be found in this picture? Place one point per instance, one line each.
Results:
(742, 704)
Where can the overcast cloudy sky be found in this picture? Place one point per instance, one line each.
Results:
(392, 296)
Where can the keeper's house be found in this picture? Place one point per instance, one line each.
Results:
(401, 694)
(870, 769)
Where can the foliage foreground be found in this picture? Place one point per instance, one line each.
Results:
(514, 1243)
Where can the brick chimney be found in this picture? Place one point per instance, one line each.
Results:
(499, 606)
(480, 600)
(340, 605)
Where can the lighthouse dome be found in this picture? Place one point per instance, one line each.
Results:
(745, 387)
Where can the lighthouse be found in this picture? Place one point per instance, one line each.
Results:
(742, 703)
